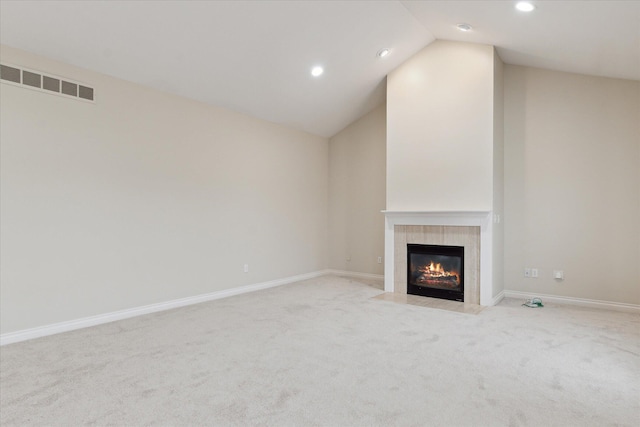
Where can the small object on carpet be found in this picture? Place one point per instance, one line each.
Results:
(533, 303)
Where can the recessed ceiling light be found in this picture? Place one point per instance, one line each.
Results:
(464, 27)
(316, 71)
(525, 6)
(383, 52)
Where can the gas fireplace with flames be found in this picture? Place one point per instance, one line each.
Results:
(436, 271)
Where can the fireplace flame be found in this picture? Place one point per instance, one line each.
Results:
(436, 268)
(436, 271)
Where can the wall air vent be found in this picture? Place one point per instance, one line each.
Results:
(32, 79)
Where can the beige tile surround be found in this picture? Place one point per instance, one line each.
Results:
(437, 303)
(467, 236)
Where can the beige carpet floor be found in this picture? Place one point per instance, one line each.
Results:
(323, 352)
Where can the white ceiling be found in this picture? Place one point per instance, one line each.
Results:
(255, 56)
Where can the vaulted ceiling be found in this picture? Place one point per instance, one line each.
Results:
(255, 57)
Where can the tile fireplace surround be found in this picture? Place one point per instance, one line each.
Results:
(471, 229)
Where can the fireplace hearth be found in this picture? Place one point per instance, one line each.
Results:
(435, 271)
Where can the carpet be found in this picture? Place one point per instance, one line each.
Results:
(324, 352)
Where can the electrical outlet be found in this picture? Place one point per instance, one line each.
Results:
(527, 272)
(246, 268)
(534, 273)
(379, 260)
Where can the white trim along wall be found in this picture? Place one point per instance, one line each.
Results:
(72, 325)
(100, 319)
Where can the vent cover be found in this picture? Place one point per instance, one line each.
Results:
(50, 84)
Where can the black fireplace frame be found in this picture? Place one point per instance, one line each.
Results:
(425, 291)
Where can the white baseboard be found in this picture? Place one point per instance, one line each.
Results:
(71, 325)
(609, 305)
(355, 274)
(495, 300)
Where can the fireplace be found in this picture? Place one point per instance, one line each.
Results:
(436, 271)
(472, 230)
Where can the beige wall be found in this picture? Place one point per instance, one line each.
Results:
(440, 129)
(357, 194)
(572, 184)
(498, 177)
(145, 197)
